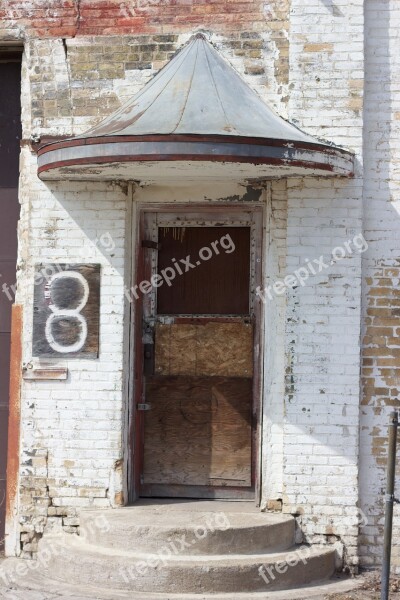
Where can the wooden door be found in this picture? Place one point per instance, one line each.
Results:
(10, 135)
(198, 339)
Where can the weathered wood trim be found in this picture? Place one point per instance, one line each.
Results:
(44, 372)
(128, 345)
(14, 428)
(136, 424)
(203, 492)
(88, 298)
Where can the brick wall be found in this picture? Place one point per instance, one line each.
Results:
(82, 60)
(381, 270)
(73, 83)
(72, 430)
(323, 317)
(70, 18)
(68, 85)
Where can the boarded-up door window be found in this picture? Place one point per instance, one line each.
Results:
(215, 265)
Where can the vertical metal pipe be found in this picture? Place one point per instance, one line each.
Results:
(389, 499)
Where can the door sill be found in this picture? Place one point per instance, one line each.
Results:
(151, 490)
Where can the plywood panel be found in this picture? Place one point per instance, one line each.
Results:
(198, 431)
(66, 310)
(213, 349)
(175, 349)
(225, 349)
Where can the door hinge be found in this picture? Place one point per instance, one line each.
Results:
(144, 406)
(151, 244)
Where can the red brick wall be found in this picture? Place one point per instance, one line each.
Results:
(68, 18)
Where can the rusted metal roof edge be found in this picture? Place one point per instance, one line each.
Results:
(174, 158)
(327, 159)
(218, 139)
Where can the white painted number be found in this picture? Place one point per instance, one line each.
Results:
(69, 314)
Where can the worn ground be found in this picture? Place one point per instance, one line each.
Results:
(370, 590)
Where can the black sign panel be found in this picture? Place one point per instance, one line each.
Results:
(66, 310)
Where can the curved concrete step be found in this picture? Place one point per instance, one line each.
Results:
(44, 585)
(74, 560)
(68, 591)
(188, 532)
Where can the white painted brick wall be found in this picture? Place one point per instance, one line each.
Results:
(76, 425)
(380, 269)
(311, 456)
(323, 318)
(274, 346)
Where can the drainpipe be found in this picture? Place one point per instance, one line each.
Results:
(389, 500)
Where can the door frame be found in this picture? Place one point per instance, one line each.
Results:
(142, 265)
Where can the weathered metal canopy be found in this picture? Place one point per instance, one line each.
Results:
(196, 118)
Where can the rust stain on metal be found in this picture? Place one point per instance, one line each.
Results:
(14, 420)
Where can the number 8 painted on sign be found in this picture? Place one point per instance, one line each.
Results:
(75, 313)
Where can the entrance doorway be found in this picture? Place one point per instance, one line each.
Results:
(197, 412)
(10, 135)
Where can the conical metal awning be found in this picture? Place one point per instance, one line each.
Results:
(196, 118)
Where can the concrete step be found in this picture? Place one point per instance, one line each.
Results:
(193, 529)
(41, 586)
(73, 559)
